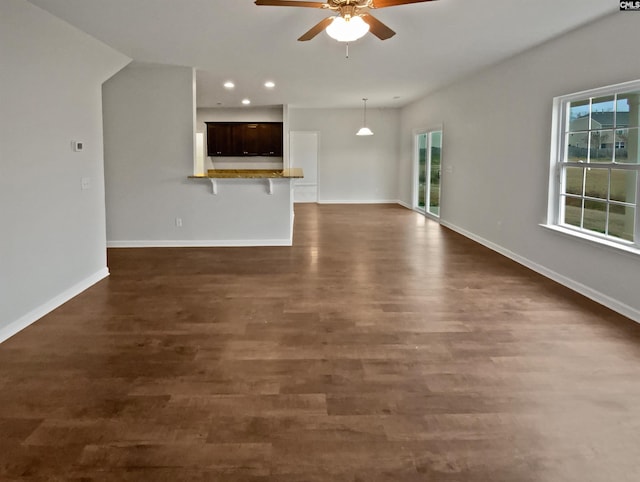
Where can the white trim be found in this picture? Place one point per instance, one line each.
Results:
(34, 315)
(584, 290)
(600, 91)
(358, 201)
(405, 205)
(593, 239)
(198, 243)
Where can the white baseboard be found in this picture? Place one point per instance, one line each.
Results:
(199, 243)
(576, 286)
(405, 205)
(47, 307)
(358, 201)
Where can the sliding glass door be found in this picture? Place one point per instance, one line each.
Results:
(428, 155)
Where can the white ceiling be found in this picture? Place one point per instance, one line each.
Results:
(436, 43)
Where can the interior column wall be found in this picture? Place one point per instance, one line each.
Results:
(149, 154)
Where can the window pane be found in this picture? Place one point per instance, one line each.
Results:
(574, 180)
(627, 109)
(621, 221)
(572, 211)
(577, 146)
(597, 183)
(627, 142)
(579, 115)
(602, 112)
(595, 216)
(602, 143)
(623, 185)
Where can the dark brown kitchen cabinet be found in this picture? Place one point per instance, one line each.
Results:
(250, 139)
(243, 139)
(220, 139)
(271, 139)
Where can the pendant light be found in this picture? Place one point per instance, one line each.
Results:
(364, 130)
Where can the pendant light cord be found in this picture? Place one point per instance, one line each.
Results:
(365, 111)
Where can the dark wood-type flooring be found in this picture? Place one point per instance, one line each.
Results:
(381, 347)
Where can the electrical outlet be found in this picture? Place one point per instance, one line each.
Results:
(85, 183)
(178, 222)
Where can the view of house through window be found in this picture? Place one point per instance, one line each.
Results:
(598, 163)
(429, 147)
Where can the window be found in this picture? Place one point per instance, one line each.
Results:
(594, 184)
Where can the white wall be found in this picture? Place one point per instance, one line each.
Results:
(52, 243)
(149, 148)
(350, 168)
(247, 114)
(497, 134)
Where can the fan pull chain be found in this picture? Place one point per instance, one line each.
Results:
(347, 56)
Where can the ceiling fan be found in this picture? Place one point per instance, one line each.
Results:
(353, 20)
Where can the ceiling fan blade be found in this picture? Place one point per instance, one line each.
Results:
(377, 28)
(289, 3)
(393, 3)
(316, 29)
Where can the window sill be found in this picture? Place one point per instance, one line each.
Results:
(594, 240)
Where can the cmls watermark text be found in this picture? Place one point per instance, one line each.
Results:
(626, 5)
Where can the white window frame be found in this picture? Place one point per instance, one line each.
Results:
(555, 209)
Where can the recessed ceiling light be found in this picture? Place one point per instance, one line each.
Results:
(246, 101)
(269, 85)
(229, 85)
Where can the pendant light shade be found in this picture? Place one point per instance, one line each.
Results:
(347, 29)
(364, 130)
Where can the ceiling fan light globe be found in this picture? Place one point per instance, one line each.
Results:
(344, 30)
(364, 131)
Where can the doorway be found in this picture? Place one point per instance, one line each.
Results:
(427, 180)
(304, 154)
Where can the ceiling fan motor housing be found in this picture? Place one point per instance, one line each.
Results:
(358, 4)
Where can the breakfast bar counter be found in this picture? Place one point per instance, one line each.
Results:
(293, 173)
(253, 207)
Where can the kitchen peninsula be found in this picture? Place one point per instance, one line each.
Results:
(254, 206)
